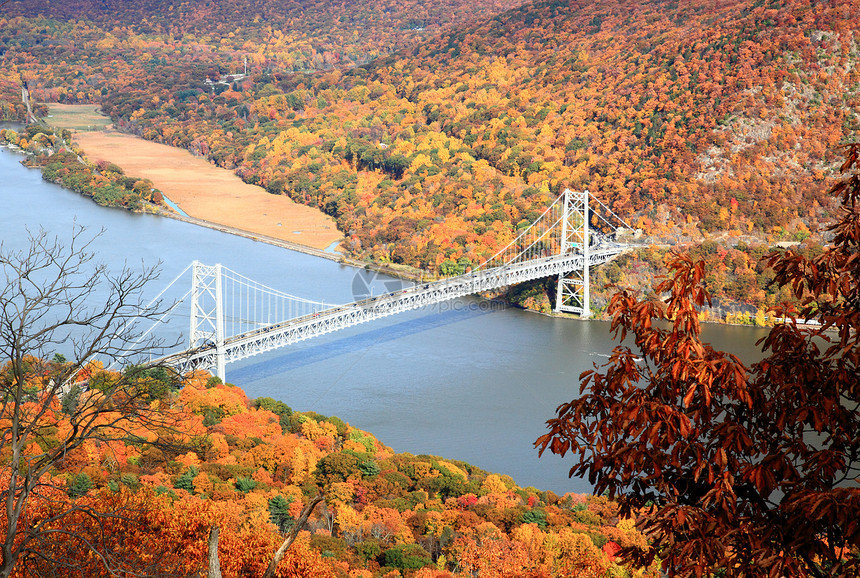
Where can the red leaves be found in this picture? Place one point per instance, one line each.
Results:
(611, 549)
(689, 397)
(741, 465)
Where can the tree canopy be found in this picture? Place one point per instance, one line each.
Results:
(748, 471)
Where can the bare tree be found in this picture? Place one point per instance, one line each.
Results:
(56, 296)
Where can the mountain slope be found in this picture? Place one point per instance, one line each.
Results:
(298, 34)
(689, 118)
(658, 105)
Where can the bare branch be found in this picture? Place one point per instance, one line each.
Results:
(303, 518)
(55, 296)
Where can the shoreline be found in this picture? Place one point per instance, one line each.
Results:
(292, 246)
(415, 276)
(257, 234)
(235, 203)
(171, 213)
(210, 193)
(253, 235)
(168, 212)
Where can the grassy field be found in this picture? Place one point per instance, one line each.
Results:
(207, 192)
(78, 117)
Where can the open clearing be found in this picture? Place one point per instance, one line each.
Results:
(210, 193)
(79, 117)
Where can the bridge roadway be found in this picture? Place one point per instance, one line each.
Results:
(298, 329)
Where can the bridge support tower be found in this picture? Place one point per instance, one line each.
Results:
(572, 293)
(207, 313)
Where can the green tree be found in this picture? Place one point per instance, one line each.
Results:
(534, 517)
(186, 480)
(79, 485)
(279, 512)
(407, 557)
(369, 468)
(245, 485)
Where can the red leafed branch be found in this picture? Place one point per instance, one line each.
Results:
(747, 471)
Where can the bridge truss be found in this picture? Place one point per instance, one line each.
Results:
(234, 317)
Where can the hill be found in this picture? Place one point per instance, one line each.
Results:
(693, 120)
(663, 107)
(250, 466)
(298, 35)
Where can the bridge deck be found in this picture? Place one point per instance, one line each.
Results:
(327, 321)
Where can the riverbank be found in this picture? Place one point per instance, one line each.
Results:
(209, 196)
(216, 198)
(324, 237)
(402, 273)
(110, 185)
(468, 378)
(212, 194)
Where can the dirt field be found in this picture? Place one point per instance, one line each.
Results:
(79, 117)
(211, 193)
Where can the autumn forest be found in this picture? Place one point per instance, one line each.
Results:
(432, 132)
(431, 135)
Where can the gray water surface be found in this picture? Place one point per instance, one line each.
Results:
(468, 380)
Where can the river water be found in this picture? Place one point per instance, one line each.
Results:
(468, 380)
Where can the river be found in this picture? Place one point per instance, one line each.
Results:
(468, 380)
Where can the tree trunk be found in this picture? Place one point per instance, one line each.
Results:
(214, 563)
(270, 571)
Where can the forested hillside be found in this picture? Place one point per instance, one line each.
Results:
(689, 119)
(433, 133)
(292, 35)
(250, 466)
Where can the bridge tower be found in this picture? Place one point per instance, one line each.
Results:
(572, 294)
(207, 313)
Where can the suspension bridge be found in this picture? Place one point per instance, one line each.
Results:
(234, 317)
